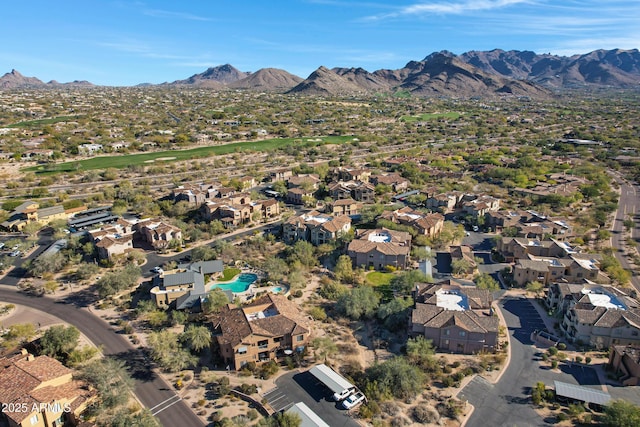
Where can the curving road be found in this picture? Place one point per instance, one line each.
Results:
(150, 389)
(629, 204)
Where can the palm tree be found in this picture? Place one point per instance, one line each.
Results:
(197, 337)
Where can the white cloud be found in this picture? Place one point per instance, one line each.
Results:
(447, 8)
(158, 13)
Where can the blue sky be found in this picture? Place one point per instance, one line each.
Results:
(120, 42)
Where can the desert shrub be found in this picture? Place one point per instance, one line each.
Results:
(253, 414)
(424, 414)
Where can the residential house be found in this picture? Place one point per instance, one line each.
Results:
(315, 227)
(309, 181)
(30, 212)
(239, 209)
(427, 224)
(529, 224)
(363, 192)
(479, 206)
(185, 286)
(157, 232)
(297, 195)
(380, 248)
(597, 315)
(114, 239)
(89, 149)
(194, 194)
(443, 202)
(576, 268)
(514, 248)
(343, 207)
(455, 318)
(40, 392)
(352, 174)
(624, 361)
(339, 190)
(280, 175)
(393, 180)
(269, 328)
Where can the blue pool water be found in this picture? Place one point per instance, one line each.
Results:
(277, 289)
(240, 284)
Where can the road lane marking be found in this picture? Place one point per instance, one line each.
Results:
(166, 407)
(165, 401)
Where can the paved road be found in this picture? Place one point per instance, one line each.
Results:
(507, 402)
(303, 387)
(150, 389)
(629, 203)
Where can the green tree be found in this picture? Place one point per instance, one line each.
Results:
(47, 264)
(405, 281)
(167, 351)
(86, 271)
(485, 281)
(111, 380)
(394, 313)
(197, 338)
(461, 266)
(19, 333)
(421, 352)
(117, 281)
(344, 269)
(620, 413)
(303, 252)
(359, 302)
(397, 377)
(324, 347)
(216, 299)
(276, 268)
(202, 253)
(58, 341)
(535, 287)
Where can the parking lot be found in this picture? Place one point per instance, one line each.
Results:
(303, 387)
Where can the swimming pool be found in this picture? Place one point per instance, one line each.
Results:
(239, 285)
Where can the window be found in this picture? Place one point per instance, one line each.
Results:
(278, 339)
(300, 338)
(242, 350)
(447, 332)
(34, 419)
(263, 344)
(463, 333)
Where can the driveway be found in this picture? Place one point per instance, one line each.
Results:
(297, 387)
(507, 402)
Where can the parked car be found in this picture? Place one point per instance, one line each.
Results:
(353, 400)
(15, 253)
(1, 245)
(475, 228)
(343, 394)
(157, 270)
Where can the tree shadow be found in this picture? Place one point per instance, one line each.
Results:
(139, 366)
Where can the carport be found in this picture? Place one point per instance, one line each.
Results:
(308, 417)
(333, 380)
(572, 392)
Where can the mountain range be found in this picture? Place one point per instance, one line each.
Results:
(475, 73)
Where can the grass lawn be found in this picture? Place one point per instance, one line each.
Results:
(378, 278)
(39, 122)
(123, 161)
(430, 116)
(229, 273)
